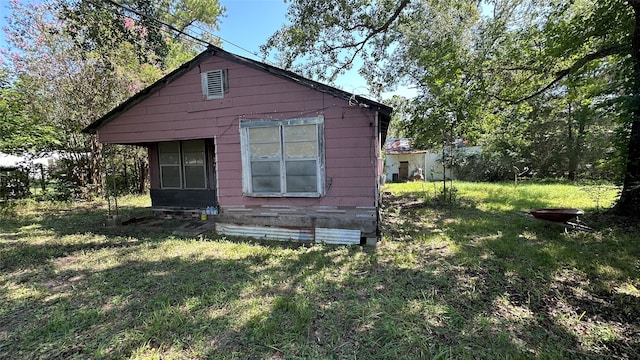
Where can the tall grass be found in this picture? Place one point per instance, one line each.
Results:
(520, 197)
(471, 279)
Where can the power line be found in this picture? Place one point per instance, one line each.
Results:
(152, 25)
(171, 27)
(195, 25)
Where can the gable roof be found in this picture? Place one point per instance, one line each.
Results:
(216, 51)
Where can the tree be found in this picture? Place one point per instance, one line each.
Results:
(629, 202)
(81, 58)
(476, 62)
(102, 26)
(20, 130)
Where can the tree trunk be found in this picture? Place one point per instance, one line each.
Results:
(629, 203)
(571, 147)
(125, 175)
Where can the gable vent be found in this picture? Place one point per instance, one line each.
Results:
(213, 84)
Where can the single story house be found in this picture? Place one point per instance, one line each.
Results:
(278, 155)
(403, 162)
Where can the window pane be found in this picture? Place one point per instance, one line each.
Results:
(169, 147)
(300, 133)
(194, 158)
(267, 150)
(169, 152)
(268, 168)
(264, 134)
(196, 146)
(266, 184)
(170, 176)
(193, 153)
(265, 176)
(302, 184)
(194, 177)
(307, 167)
(302, 176)
(301, 149)
(169, 159)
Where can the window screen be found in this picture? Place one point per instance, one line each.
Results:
(169, 153)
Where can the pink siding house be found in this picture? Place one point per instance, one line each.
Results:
(280, 156)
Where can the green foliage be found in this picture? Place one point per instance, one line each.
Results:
(126, 170)
(101, 27)
(400, 119)
(487, 166)
(20, 129)
(543, 85)
(14, 184)
(8, 210)
(76, 60)
(66, 183)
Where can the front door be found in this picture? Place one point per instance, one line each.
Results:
(403, 172)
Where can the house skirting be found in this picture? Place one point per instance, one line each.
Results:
(322, 224)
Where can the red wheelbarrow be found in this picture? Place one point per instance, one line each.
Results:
(561, 216)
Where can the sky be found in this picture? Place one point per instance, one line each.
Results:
(247, 24)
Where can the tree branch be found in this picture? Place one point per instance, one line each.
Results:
(390, 21)
(561, 74)
(359, 46)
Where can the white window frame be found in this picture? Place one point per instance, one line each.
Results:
(163, 166)
(214, 84)
(185, 165)
(182, 166)
(247, 183)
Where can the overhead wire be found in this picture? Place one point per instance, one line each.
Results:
(154, 26)
(195, 25)
(179, 31)
(169, 26)
(187, 36)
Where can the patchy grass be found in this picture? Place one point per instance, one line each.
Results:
(472, 279)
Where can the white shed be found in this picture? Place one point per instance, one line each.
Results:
(402, 163)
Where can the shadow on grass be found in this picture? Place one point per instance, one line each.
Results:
(458, 283)
(62, 232)
(193, 303)
(544, 291)
(116, 311)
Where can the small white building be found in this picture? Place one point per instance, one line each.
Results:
(403, 163)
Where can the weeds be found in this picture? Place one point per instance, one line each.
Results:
(476, 279)
(600, 193)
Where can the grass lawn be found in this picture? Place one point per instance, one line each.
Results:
(473, 279)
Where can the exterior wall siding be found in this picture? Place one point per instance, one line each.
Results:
(179, 112)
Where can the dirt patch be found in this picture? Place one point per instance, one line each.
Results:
(194, 228)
